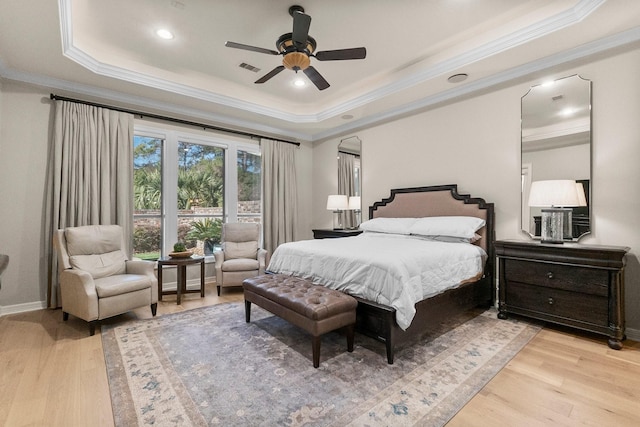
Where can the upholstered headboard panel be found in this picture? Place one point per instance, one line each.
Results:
(441, 200)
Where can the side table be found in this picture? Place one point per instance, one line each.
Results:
(181, 277)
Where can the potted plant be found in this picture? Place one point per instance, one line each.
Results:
(207, 230)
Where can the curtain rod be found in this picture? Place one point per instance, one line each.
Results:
(348, 152)
(168, 119)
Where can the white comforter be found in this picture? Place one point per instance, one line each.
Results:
(394, 270)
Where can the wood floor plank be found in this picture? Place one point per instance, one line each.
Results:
(56, 375)
(561, 378)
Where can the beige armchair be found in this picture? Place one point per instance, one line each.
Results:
(96, 278)
(240, 257)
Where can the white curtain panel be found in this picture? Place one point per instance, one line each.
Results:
(279, 193)
(90, 175)
(346, 185)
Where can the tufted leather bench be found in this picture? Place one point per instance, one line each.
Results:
(314, 308)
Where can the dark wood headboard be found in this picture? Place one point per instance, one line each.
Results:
(440, 200)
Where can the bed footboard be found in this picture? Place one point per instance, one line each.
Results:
(434, 316)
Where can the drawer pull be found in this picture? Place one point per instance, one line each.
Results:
(550, 275)
(550, 300)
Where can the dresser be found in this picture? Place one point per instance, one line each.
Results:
(571, 284)
(327, 233)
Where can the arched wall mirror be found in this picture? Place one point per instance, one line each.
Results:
(349, 182)
(556, 145)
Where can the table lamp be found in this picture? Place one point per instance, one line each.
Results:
(337, 203)
(556, 197)
(354, 205)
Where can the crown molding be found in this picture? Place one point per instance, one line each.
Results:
(554, 23)
(142, 103)
(549, 62)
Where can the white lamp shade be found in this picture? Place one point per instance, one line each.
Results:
(582, 199)
(337, 202)
(557, 193)
(354, 203)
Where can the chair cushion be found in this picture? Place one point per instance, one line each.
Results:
(121, 284)
(100, 265)
(96, 249)
(93, 239)
(233, 250)
(240, 264)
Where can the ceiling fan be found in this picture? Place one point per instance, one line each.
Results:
(298, 47)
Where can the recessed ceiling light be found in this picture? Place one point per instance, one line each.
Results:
(299, 83)
(164, 34)
(566, 112)
(457, 78)
(347, 117)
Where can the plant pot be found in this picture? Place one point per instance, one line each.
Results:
(209, 246)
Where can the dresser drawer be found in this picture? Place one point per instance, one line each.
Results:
(564, 277)
(590, 308)
(575, 285)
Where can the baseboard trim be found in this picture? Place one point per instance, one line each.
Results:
(633, 334)
(192, 284)
(21, 308)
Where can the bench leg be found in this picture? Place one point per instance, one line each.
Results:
(247, 310)
(316, 351)
(350, 330)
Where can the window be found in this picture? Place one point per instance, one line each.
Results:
(249, 187)
(147, 194)
(185, 189)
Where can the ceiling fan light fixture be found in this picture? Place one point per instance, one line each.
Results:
(297, 48)
(299, 83)
(296, 61)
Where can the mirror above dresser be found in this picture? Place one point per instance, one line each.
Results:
(349, 182)
(556, 145)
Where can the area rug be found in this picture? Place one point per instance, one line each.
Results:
(207, 367)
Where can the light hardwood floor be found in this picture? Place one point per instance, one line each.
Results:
(52, 373)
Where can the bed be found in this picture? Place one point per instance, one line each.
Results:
(400, 295)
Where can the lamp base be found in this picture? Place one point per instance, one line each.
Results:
(556, 225)
(337, 220)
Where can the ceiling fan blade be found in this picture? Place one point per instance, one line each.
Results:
(270, 74)
(342, 54)
(316, 78)
(251, 48)
(301, 24)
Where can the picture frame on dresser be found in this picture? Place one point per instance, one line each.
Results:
(575, 285)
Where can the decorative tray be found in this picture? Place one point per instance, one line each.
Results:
(185, 254)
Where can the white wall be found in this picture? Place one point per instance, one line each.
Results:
(24, 136)
(25, 120)
(560, 163)
(475, 143)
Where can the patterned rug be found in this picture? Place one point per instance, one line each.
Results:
(207, 367)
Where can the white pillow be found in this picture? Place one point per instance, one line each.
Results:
(389, 225)
(449, 239)
(452, 226)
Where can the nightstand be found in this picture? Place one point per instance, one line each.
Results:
(329, 233)
(580, 286)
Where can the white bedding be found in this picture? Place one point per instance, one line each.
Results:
(395, 270)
